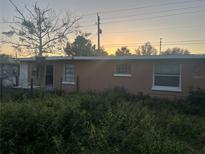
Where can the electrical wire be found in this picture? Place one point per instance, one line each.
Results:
(148, 13)
(156, 28)
(164, 43)
(155, 17)
(140, 7)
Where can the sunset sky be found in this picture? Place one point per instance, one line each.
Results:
(180, 23)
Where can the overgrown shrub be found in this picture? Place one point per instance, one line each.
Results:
(108, 122)
(195, 102)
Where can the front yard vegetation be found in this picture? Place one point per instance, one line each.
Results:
(102, 123)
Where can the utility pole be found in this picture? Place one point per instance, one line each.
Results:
(99, 31)
(160, 46)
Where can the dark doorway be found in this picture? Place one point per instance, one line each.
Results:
(49, 76)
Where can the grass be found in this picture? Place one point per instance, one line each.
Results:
(102, 123)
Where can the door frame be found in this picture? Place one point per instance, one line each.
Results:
(49, 86)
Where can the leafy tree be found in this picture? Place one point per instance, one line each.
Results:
(82, 46)
(176, 51)
(146, 49)
(123, 51)
(38, 30)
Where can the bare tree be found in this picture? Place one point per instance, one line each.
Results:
(146, 49)
(39, 31)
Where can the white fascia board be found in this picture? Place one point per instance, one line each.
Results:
(157, 57)
(122, 75)
(166, 88)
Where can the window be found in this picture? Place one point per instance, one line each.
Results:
(167, 77)
(123, 70)
(69, 74)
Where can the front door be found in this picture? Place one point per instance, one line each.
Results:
(49, 77)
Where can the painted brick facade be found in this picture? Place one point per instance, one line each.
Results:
(99, 75)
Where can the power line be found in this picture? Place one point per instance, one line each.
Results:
(148, 13)
(91, 25)
(157, 28)
(144, 18)
(174, 44)
(148, 6)
(140, 7)
(187, 41)
(129, 9)
(184, 27)
(165, 43)
(180, 41)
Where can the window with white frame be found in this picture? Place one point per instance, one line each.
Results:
(123, 70)
(69, 73)
(167, 77)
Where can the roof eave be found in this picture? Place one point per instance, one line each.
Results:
(157, 57)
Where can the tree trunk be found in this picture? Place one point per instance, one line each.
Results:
(40, 58)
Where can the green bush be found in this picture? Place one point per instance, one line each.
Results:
(195, 103)
(108, 122)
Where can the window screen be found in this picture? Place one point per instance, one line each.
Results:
(123, 69)
(167, 75)
(69, 73)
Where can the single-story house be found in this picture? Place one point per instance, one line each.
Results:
(162, 75)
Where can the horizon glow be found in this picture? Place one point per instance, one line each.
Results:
(147, 25)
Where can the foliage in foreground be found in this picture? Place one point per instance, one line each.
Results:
(110, 122)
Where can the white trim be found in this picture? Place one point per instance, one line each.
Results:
(67, 82)
(156, 57)
(122, 75)
(168, 75)
(23, 75)
(139, 57)
(28, 87)
(166, 88)
(72, 83)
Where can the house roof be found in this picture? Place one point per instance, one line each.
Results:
(156, 57)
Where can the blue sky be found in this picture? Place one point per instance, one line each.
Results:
(132, 22)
